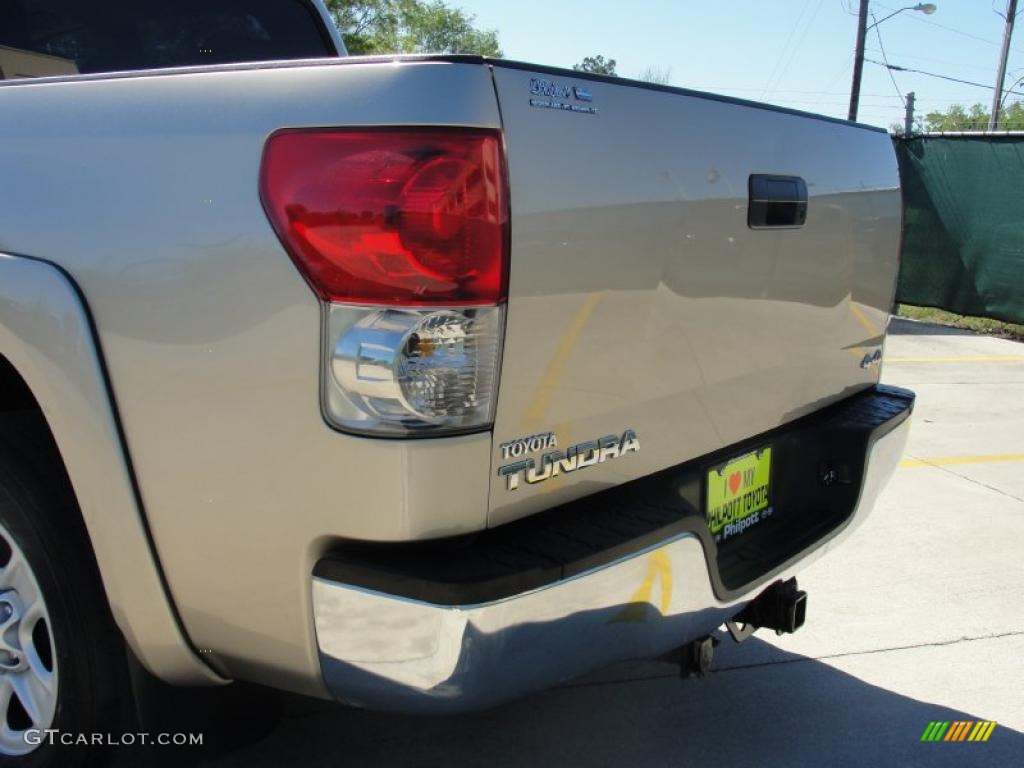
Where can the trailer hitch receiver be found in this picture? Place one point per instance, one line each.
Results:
(782, 607)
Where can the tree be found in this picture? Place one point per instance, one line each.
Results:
(599, 65)
(410, 26)
(1011, 117)
(974, 118)
(658, 75)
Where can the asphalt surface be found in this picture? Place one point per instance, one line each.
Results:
(918, 617)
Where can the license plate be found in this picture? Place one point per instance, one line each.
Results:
(739, 493)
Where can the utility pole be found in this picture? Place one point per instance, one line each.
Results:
(997, 99)
(858, 58)
(908, 119)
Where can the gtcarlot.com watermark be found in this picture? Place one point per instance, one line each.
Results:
(36, 736)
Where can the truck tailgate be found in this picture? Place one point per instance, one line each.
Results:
(640, 298)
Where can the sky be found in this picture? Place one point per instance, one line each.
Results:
(796, 53)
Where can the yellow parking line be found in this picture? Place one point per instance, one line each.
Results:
(861, 318)
(947, 460)
(977, 359)
(548, 383)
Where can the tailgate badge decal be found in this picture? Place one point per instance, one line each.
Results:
(871, 359)
(551, 95)
(554, 463)
(513, 449)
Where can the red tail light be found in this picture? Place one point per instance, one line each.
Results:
(408, 217)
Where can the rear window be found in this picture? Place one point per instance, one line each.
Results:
(40, 37)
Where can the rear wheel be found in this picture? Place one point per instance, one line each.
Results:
(62, 660)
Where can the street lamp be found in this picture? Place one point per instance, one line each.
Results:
(862, 30)
(926, 8)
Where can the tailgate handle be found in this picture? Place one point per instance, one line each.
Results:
(776, 201)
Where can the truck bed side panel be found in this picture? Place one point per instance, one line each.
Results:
(144, 189)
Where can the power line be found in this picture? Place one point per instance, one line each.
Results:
(941, 77)
(922, 20)
(844, 69)
(719, 88)
(785, 48)
(885, 58)
(799, 42)
(932, 100)
(935, 61)
(779, 90)
(784, 102)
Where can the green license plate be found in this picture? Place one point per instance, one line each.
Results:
(739, 493)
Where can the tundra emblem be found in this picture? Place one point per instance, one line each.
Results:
(554, 463)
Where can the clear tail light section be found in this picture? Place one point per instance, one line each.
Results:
(403, 234)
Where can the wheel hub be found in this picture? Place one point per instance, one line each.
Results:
(28, 662)
(12, 659)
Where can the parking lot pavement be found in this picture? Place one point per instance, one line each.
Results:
(918, 617)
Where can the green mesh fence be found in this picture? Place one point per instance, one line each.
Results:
(963, 238)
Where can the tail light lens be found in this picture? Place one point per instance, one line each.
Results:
(396, 217)
(403, 236)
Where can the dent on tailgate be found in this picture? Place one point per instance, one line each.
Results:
(644, 311)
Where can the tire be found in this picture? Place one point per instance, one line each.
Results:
(59, 647)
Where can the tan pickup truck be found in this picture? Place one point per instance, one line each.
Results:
(419, 383)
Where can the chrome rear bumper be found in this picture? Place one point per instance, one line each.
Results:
(385, 652)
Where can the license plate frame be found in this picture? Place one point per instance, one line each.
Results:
(738, 493)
